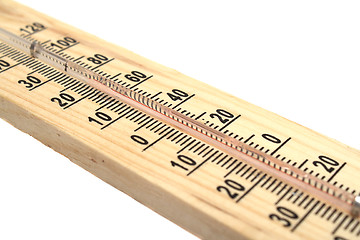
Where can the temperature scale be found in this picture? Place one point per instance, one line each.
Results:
(217, 166)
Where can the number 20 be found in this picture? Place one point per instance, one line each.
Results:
(326, 163)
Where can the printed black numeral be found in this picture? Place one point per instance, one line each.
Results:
(98, 58)
(184, 161)
(326, 163)
(139, 139)
(177, 94)
(4, 64)
(135, 76)
(284, 216)
(222, 115)
(63, 99)
(100, 118)
(31, 28)
(30, 82)
(231, 188)
(63, 43)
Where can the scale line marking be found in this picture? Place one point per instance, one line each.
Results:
(252, 187)
(280, 146)
(337, 171)
(304, 217)
(227, 124)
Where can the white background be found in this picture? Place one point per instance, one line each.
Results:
(299, 59)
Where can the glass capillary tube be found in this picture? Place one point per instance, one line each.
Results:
(268, 164)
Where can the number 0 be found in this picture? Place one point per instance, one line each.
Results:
(139, 139)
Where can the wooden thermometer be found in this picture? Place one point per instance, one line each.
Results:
(216, 165)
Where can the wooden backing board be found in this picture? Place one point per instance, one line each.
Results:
(193, 202)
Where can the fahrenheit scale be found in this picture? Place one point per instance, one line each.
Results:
(194, 133)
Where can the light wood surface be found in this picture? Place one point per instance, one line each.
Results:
(193, 202)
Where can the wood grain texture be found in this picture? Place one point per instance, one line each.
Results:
(190, 201)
